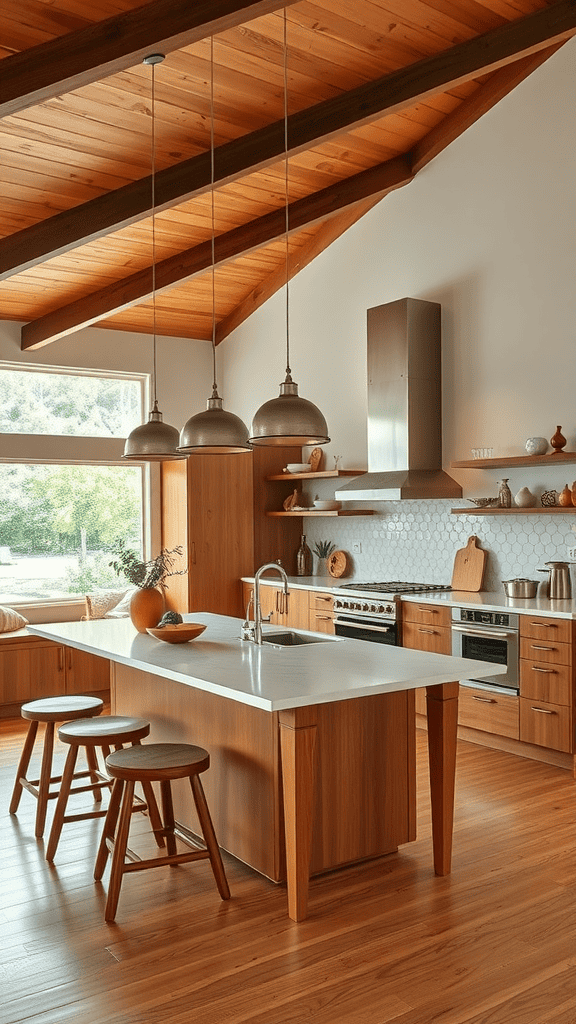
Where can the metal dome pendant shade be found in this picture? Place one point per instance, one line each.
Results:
(288, 419)
(154, 441)
(214, 431)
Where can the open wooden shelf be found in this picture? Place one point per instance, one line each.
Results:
(514, 511)
(320, 473)
(325, 512)
(554, 459)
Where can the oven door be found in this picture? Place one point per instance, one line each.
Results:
(490, 643)
(384, 632)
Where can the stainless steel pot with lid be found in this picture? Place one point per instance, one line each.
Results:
(559, 584)
(520, 587)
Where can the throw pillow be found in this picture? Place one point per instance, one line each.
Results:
(10, 620)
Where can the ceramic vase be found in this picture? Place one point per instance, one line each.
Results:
(558, 441)
(146, 608)
(321, 567)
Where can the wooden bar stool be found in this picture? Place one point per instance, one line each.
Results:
(155, 762)
(98, 734)
(49, 710)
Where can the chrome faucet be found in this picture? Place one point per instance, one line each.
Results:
(254, 632)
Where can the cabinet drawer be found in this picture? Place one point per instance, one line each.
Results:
(546, 725)
(321, 602)
(426, 614)
(548, 651)
(437, 639)
(541, 681)
(557, 630)
(489, 712)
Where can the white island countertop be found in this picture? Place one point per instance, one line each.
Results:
(268, 677)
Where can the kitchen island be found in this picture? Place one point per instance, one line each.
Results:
(312, 747)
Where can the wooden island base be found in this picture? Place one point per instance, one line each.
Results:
(303, 791)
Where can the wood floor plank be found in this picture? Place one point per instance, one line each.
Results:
(386, 941)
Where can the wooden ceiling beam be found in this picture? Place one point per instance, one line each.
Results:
(89, 54)
(372, 184)
(306, 129)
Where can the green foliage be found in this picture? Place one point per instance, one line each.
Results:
(93, 574)
(142, 574)
(324, 548)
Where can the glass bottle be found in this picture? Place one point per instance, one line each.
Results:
(303, 559)
(504, 494)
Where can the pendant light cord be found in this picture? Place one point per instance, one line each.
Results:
(152, 60)
(288, 370)
(213, 256)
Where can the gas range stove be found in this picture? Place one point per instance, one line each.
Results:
(379, 600)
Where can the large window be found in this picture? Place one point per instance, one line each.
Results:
(61, 515)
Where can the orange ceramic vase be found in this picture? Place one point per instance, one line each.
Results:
(146, 608)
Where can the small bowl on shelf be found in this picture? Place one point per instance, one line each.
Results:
(298, 467)
(484, 502)
(177, 633)
(326, 505)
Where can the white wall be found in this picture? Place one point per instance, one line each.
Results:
(488, 230)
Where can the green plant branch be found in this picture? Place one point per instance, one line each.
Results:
(145, 575)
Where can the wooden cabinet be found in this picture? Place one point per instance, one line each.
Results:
(426, 627)
(546, 682)
(215, 507)
(488, 711)
(31, 668)
(321, 614)
(284, 609)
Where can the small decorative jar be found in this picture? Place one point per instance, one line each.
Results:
(505, 494)
(525, 498)
(548, 499)
(536, 446)
(565, 497)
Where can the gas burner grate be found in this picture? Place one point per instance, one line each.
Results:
(396, 587)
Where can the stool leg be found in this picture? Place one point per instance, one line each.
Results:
(92, 762)
(168, 815)
(153, 812)
(109, 828)
(23, 765)
(119, 854)
(58, 819)
(210, 837)
(44, 785)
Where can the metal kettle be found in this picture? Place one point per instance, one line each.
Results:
(559, 586)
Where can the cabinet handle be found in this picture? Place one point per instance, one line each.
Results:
(545, 625)
(543, 711)
(426, 610)
(431, 631)
(537, 647)
(60, 659)
(69, 649)
(484, 700)
(324, 618)
(319, 597)
(547, 671)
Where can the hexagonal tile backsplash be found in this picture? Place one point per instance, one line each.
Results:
(416, 541)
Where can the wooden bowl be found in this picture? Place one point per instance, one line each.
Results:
(179, 633)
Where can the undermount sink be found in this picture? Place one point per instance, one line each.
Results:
(290, 639)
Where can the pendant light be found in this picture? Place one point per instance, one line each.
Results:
(288, 419)
(154, 441)
(214, 431)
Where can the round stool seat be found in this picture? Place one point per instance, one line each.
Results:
(104, 731)
(59, 709)
(157, 761)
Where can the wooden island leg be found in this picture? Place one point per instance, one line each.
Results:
(297, 747)
(442, 705)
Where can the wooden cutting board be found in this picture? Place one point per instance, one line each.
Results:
(469, 565)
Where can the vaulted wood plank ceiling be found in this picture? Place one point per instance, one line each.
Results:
(376, 89)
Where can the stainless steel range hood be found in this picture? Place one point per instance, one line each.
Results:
(404, 407)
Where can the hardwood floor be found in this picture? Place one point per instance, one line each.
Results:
(493, 943)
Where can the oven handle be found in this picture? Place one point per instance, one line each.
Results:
(364, 625)
(497, 635)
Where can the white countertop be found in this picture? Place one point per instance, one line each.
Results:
(493, 601)
(271, 678)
